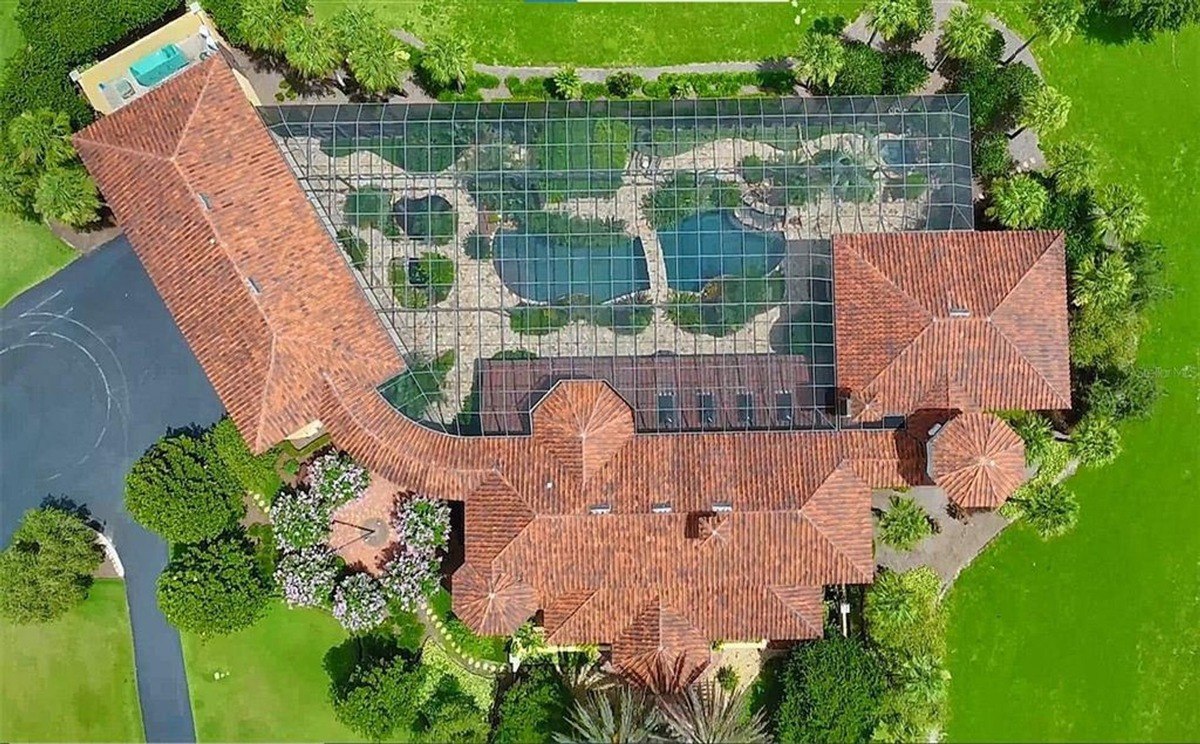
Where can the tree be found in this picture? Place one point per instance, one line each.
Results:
(893, 19)
(1072, 165)
(819, 60)
(1044, 111)
(182, 490)
(358, 603)
(707, 713)
(1106, 283)
(1120, 212)
(1048, 507)
(446, 61)
(449, 714)
(67, 194)
(47, 569)
(904, 525)
(534, 708)
(377, 698)
(1151, 16)
(904, 72)
(904, 615)
(213, 587)
(378, 63)
(831, 692)
(41, 139)
(1018, 201)
(861, 73)
(1035, 431)
(264, 24)
(567, 84)
(1123, 393)
(1054, 21)
(991, 156)
(311, 49)
(619, 716)
(966, 34)
(1095, 440)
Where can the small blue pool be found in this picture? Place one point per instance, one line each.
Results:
(545, 269)
(711, 244)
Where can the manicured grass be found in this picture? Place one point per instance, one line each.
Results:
(73, 679)
(10, 35)
(516, 32)
(1096, 636)
(276, 688)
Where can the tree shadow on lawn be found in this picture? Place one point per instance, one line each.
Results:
(356, 652)
(1105, 29)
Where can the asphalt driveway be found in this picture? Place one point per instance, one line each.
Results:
(92, 372)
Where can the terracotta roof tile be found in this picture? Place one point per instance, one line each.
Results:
(978, 459)
(582, 425)
(493, 605)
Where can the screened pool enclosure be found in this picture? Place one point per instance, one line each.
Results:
(677, 249)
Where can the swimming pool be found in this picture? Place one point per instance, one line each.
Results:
(545, 269)
(711, 244)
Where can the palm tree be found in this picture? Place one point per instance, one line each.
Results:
(1048, 507)
(890, 18)
(1055, 20)
(623, 717)
(264, 23)
(378, 64)
(580, 674)
(1095, 440)
(820, 59)
(1120, 212)
(311, 49)
(1104, 284)
(965, 35)
(1018, 201)
(68, 195)
(1072, 164)
(1044, 111)
(41, 139)
(709, 715)
(923, 678)
(355, 24)
(567, 84)
(446, 61)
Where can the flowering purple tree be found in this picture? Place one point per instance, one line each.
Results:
(336, 478)
(423, 526)
(300, 518)
(307, 576)
(358, 603)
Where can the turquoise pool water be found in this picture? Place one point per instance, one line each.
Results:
(711, 244)
(546, 269)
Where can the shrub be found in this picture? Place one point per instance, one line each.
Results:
(307, 576)
(991, 156)
(1018, 201)
(819, 60)
(904, 525)
(358, 603)
(727, 678)
(628, 316)
(996, 92)
(311, 48)
(444, 62)
(567, 84)
(904, 72)
(47, 569)
(68, 195)
(429, 218)
(534, 708)
(355, 247)
(1119, 394)
(1095, 440)
(478, 247)
(439, 665)
(1102, 283)
(1035, 431)
(622, 84)
(861, 73)
(537, 320)
(1120, 211)
(433, 274)
(299, 519)
(1049, 508)
(213, 587)
(264, 23)
(752, 169)
(423, 530)
(227, 14)
(1106, 337)
(74, 33)
(182, 490)
(831, 692)
(419, 386)
(255, 473)
(377, 698)
(336, 479)
(904, 616)
(450, 714)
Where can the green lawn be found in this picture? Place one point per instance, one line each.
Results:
(73, 679)
(516, 32)
(1096, 636)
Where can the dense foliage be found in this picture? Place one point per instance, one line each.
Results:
(423, 530)
(990, 156)
(47, 569)
(255, 473)
(831, 692)
(181, 489)
(213, 587)
(861, 74)
(1048, 507)
(40, 172)
(377, 698)
(359, 603)
(904, 524)
(336, 478)
(613, 715)
(307, 576)
(726, 304)
(904, 72)
(445, 62)
(533, 708)
(1148, 17)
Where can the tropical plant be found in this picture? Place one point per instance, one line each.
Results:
(727, 679)
(1018, 201)
(311, 48)
(213, 587)
(1046, 506)
(620, 717)
(1103, 283)
(1053, 20)
(378, 65)
(307, 576)
(703, 714)
(264, 24)
(1106, 336)
(359, 603)
(1095, 440)
(182, 490)
(1151, 16)
(1072, 165)
(830, 692)
(533, 709)
(377, 698)
(819, 60)
(1035, 431)
(567, 84)
(41, 139)
(1120, 211)
(47, 569)
(1123, 393)
(966, 34)
(893, 19)
(861, 73)
(581, 673)
(622, 84)
(904, 524)
(904, 616)
(991, 156)
(904, 72)
(1044, 111)
(445, 61)
(67, 194)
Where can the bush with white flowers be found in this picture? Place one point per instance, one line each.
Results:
(307, 576)
(336, 478)
(358, 603)
(300, 519)
(423, 528)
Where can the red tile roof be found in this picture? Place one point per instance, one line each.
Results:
(276, 319)
(951, 320)
(978, 460)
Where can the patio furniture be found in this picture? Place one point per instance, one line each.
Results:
(124, 88)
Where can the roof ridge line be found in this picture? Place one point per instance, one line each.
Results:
(211, 68)
(774, 590)
(121, 148)
(1058, 237)
(820, 532)
(1024, 359)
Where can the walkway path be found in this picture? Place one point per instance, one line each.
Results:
(436, 629)
(92, 372)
